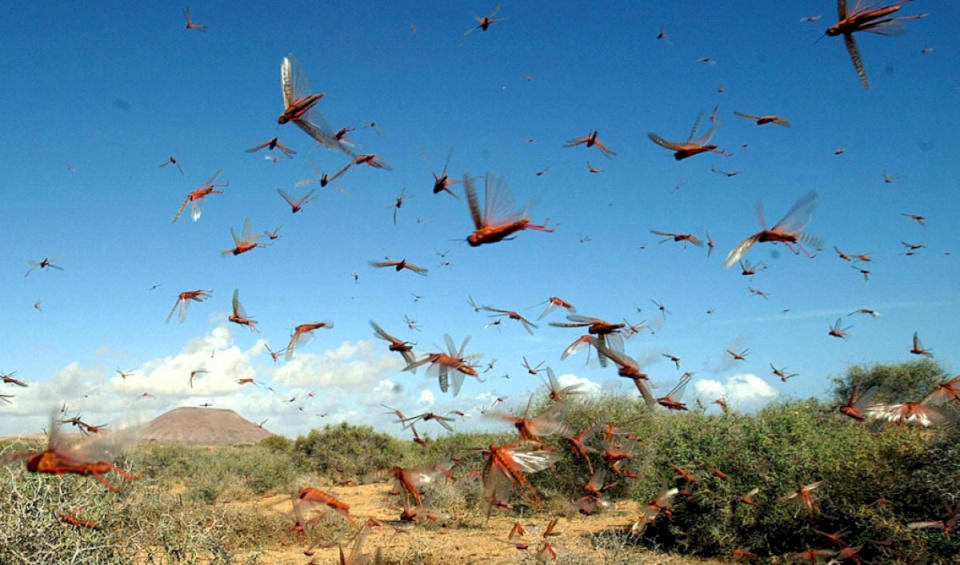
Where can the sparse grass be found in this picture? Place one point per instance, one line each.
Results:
(218, 474)
(201, 504)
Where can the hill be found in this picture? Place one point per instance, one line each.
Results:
(201, 426)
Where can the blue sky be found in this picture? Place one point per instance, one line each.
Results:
(113, 90)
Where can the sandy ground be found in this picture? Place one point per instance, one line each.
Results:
(474, 542)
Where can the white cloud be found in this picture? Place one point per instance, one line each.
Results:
(426, 398)
(357, 366)
(744, 392)
(588, 387)
(348, 383)
(710, 388)
(223, 362)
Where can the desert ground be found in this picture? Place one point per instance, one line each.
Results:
(581, 539)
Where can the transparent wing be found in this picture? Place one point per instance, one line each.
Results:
(605, 351)
(342, 171)
(458, 379)
(380, 333)
(170, 315)
(865, 399)
(799, 215)
(211, 180)
(613, 341)
(316, 118)
(550, 422)
(498, 204)
(102, 448)
(492, 309)
(298, 339)
(581, 319)
(451, 345)
(290, 200)
(180, 210)
(426, 159)
(286, 81)
(196, 209)
(316, 172)
(577, 345)
(851, 44)
(497, 484)
(696, 126)
(551, 306)
(737, 252)
(607, 152)
(663, 142)
(889, 26)
(236, 240)
(706, 137)
(446, 163)
(531, 458)
(314, 124)
(293, 80)
(237, 307)
(577, 141)
(417, 269)
(677, 392)
(248, 234)
(463, 347)
(758, 208)
(552, 383)
(184, 308)
(648, 398)
(442, 373)
(471, 193)
(379, 163)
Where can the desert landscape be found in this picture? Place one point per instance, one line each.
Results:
(796, 482)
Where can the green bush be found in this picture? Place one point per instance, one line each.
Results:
(216, 474)
(776, 449)
(346, 452)
(277, 444)
(901, 382)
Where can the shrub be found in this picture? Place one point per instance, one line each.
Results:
(217, 474)
(901, 382)
(346, 452)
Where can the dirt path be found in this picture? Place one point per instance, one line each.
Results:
(472, 543)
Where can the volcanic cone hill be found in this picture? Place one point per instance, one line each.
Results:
(201, 426)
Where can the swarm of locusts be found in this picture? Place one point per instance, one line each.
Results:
(606, 447)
